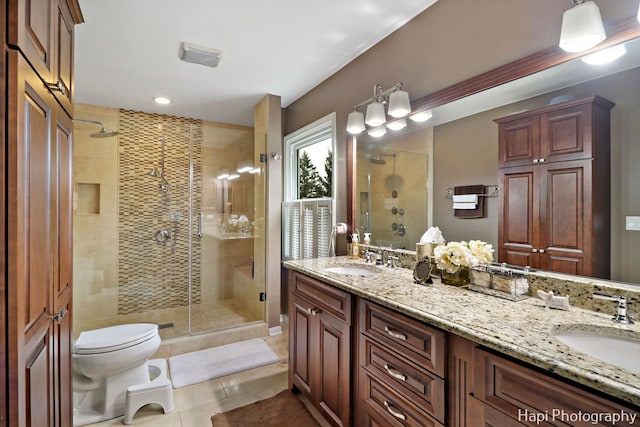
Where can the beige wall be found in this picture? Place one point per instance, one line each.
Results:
(449, 42)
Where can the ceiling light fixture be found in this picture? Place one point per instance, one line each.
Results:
(161, 100)
(582, 27)
(398, 104)
(605, 56)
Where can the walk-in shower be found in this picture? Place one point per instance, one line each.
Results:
(150, 230)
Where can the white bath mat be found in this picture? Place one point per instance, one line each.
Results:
(204, 365)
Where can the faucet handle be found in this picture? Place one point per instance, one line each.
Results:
(621, 316)
(391, 261)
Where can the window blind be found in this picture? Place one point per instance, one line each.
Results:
(306, 227)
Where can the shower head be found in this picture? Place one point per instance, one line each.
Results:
(102, 133)
(378, 160)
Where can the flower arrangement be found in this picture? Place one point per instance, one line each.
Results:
(455, 255)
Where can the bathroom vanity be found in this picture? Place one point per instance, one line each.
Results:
(377, 349)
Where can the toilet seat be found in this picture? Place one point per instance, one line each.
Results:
(114, 338)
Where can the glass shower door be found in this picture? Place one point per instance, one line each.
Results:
(230, 236)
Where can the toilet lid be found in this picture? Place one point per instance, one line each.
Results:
(114, 338)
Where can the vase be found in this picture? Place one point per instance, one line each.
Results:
(459, 278)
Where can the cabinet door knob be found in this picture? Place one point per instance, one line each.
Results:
(535, 160)
(399, 415)
(534, 250)
(541, 251)
(541, 160)
(397, 335)
(395, 373)
(58, 86)
(313, 311)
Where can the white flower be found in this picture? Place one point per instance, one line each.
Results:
(453, 255)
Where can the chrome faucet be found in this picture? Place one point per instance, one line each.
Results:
(391, 261)
(371, 256)
(621, 316)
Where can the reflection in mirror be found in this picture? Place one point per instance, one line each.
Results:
(461, 141)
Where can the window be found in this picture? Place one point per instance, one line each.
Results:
(307, 214)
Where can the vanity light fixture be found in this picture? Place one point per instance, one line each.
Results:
(224, 174)
(638, 14)
(421, 116)
(397, 102)
(397, 124)
(582, 27)
(377, 132)
(605, 56)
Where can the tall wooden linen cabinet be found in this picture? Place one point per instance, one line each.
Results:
(555, 188)
(37, 194)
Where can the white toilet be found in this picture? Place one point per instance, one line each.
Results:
(106, 362)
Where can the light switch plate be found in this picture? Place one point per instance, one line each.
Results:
(632, 223)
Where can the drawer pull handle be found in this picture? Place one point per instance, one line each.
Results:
(402, 337)
(313, 311)
(394, 412)
(395, 373)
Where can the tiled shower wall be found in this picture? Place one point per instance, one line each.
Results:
(154, 275)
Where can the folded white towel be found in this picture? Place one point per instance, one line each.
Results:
(465, 198)
(464, 205)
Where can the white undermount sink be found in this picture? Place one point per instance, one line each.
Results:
(618, 347)
(353, 270)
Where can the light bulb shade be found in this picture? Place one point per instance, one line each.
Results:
(375, 114)
(605, 56)
(377, 132)
(581, 27)
(421, 116)
(355, 122)
(399, 104)
(397, 124)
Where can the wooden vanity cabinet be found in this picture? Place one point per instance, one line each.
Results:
(320, 346)
(515, 394)
(401, 369)
(554, 188)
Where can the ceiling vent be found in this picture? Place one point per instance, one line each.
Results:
(199, 55)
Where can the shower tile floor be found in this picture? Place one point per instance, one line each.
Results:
(211, 316)
(195, 404)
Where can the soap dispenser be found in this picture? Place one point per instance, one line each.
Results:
(355, 246)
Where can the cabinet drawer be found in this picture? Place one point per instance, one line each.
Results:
(517, 390)
(412, 339)
(325, 297)
(388, 407)
(417, 384)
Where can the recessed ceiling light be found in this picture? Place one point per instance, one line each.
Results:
(162, 100)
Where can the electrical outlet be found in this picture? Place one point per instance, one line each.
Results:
(632, 223)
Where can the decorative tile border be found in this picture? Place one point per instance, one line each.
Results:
(153, 275)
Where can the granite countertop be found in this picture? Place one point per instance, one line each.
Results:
(521, 329)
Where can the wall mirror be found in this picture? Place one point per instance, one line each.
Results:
(400, 182)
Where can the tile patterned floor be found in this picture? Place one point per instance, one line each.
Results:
(195, 404)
